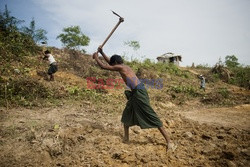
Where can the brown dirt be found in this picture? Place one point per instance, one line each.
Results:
(78, 135)
(237, 117)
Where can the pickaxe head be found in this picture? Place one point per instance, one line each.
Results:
(119, 22)
(121, 18)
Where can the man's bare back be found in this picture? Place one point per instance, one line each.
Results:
(128, 76)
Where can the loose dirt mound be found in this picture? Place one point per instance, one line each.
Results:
(82, 136)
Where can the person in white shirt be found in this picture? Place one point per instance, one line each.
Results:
(52, 64)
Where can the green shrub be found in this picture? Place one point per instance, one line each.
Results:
(14, 44)
(23, 91)
(147, 63)
(189, 90)
(74, 90)
(215, 77)
(158, 68)
(241, 76)
(224, 92)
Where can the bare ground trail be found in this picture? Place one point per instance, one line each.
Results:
(236, 117)
(78, 135)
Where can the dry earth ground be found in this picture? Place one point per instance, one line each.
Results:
(79, 135)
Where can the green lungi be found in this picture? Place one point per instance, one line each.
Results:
(138, 110)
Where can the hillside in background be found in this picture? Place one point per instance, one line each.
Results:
(24, 82)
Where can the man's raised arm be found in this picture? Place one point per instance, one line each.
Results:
(45, 57)
(103, 55)
(104, 66)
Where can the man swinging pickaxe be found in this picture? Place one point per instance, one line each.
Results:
(138, 110)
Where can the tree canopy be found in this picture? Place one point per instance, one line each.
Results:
(37, 35)
(231, 61)
(14, 43)
(133, 44)
(8, 22)
(73, 38)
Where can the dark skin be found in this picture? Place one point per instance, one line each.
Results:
(126, 72)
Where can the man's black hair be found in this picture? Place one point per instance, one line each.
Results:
(115, 59)
(47, 52)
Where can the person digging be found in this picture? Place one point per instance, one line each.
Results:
(138, 110)
(52, 64)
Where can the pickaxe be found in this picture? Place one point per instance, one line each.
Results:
(119, 22)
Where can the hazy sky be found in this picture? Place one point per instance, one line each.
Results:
(201, 31)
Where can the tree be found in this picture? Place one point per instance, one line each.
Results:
(13, 43)
(37, 35)
(231, 61)
(73, 38)
(134, 44)
(8, 23)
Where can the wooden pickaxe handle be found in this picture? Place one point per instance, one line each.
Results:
(119, 22)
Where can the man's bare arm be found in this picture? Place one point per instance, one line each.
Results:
(104, 55)
(105, 66)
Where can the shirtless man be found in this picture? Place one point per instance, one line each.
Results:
(138, 110)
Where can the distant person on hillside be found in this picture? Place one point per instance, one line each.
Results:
(52, 64)
(203, 82)
(138, 110)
